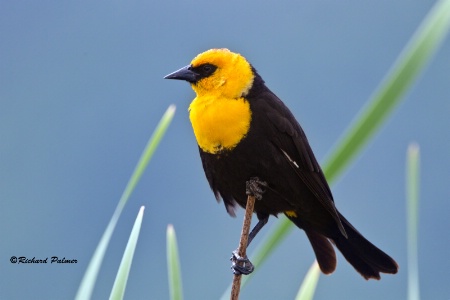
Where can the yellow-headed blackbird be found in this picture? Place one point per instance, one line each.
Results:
(248, 137)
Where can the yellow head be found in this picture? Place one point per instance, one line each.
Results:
(220, 114)
(217, 72)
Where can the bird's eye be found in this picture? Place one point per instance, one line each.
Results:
(205, 70)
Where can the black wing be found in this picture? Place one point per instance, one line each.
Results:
(291, 140)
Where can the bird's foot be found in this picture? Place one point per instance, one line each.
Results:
(255, 187)
(241, 265)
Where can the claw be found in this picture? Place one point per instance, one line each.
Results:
(241, 264)
(255, 187)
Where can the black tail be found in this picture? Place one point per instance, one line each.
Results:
(365, 257)
(325, 255)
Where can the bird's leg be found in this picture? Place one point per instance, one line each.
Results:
(241, 264)
(257, 228)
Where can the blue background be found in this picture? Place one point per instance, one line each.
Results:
(81, 90)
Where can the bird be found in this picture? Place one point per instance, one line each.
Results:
(251, 143)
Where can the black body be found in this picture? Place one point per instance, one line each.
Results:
(277, 151)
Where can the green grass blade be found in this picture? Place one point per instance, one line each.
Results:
(173, 265)
(147, 154)
(420, 49)
(424, 43)
(308, 286)
(120, 283)
(90, 276)
(412, 205)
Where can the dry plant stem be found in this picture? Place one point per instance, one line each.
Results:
(235, 289)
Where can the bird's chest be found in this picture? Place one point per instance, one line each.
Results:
(219, 123)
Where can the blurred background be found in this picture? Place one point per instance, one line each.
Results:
(81, 90)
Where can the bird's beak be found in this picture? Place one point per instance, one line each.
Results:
(184, 73)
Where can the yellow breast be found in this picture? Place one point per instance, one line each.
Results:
(219, 123)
